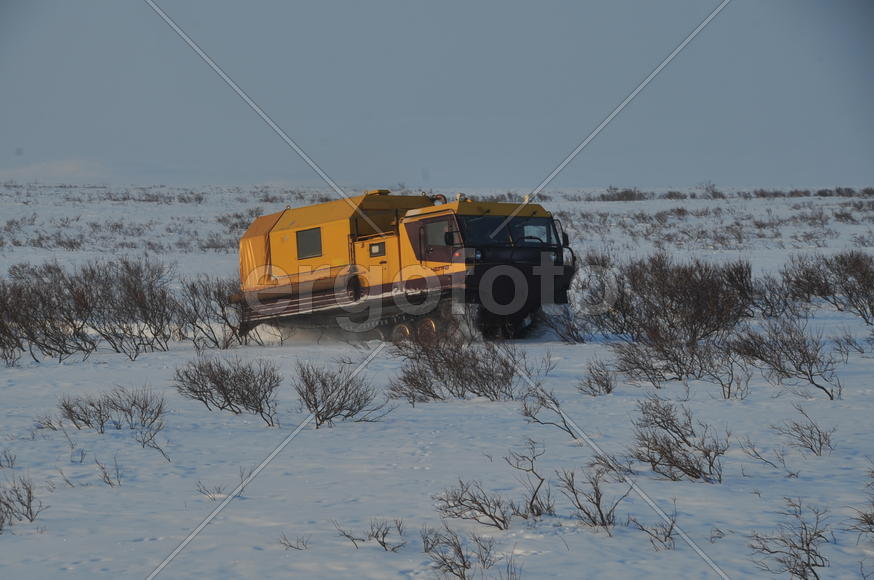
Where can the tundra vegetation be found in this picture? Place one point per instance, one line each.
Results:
(677, 338)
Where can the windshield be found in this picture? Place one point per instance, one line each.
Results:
(477, 230)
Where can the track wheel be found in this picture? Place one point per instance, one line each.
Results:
(375, 334)
(401, 332)
(426, 330)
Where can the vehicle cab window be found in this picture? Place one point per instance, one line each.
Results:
(433, 239)
(435, 233)
(537, 232)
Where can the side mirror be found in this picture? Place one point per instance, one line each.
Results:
(565, 240)
(452, 238)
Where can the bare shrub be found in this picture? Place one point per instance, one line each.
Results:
(805, 278)
(625, 194)
(7, 460)
(207, 315)
(772, 297)
(443, 368)
(245, 479)
(710, 191)
(11, 348)
(484, 551)
(18, 501)
(15, 328)
(738, 287)
(469, 501)
(661, 534)
(846, 343)
(141, 410)
(592, 506)
(844, 280)
(851, 274)
(218, 243)
(795, 547)
(417, 384)
(109, 476)
(752, 450)
(336, 394)
(640, 362)
(5, 515)
(511, 570)
(135, 309)
(47, 421)
(543, 408)
(93, 412)
(591, 293)
(459, 557)
(722, 366)
(50, 311)
(806, 434)
(785, 352)
(661, 301)
(600, 379)
(232, 385)
(381, 532)
(863, 521)
(567, 323)
(236, 223)
(674, 195)
(659, 362)
(665, 310)
(619, 468)
(538, 499)
(212, 493)
(667, 437)
(349, 535)
(300, 543)
(65, 479)
(48, 314)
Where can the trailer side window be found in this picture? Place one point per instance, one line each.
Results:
(309, 243)
(377, 249)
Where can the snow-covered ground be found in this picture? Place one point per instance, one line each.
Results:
(352, 473)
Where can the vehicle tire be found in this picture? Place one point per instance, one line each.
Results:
(426, 330)
(401, 332)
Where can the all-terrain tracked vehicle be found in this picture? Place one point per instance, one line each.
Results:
(403, 264)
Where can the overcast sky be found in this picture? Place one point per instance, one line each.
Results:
(438, 94)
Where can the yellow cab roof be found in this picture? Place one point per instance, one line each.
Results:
(314, 215)
(344, 209)
(338, 209)
(469, 206)
(408, 205)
